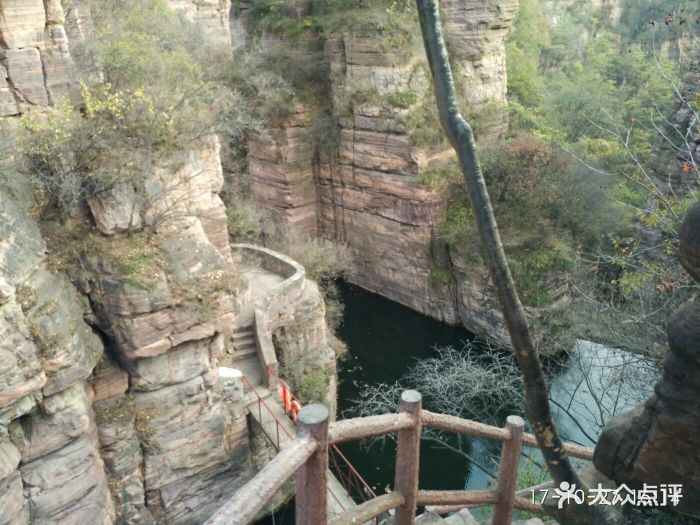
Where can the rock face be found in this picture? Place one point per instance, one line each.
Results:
(35, 64)
(659, 441)
(211, 15)
(50, 467)
(368, 195)
(370, 198)
(147, 432)
(113, 404)
(282, 173)
(476, 34)
(169, 308)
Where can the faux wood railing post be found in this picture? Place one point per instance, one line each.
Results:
(508, 471)
(407, 460)
(312, 477)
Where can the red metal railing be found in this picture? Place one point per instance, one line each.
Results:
(355, 485)
(293, 403)
(278, 424)
(261, 403)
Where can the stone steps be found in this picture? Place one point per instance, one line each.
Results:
(244, 340)
(244, 344)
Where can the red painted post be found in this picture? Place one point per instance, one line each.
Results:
(407, 459)
(312, 477)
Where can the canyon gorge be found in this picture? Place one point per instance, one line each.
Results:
(129, 324)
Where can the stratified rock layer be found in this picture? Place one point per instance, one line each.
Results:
(152, 429)
(282, 174)
(476, 32)
(170, 319)
(35, 64)
(50, 467)
(368, 195)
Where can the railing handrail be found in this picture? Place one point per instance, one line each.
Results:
(354, 479)
(278, 423)
(513, 438)
(245, 504)
(354, 476)
(262, 402)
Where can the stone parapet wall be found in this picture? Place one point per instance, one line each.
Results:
(277, 304)
(289, 321)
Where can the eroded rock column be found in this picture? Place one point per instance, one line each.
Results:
(35, 64)
(658, 442)
(50, 467)
(165, 295)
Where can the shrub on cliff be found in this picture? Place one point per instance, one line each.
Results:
(325, 262)
(266, 92)
(151, 88)
(144, 44)
(244, 221)
(71, 155)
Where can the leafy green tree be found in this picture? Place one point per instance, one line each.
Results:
(530, 35)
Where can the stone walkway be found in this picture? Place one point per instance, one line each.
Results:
(264, 408)
(279, 429)
(260, 284)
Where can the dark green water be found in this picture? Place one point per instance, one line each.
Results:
(384, 339)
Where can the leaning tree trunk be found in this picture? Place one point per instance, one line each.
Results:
(536, 395)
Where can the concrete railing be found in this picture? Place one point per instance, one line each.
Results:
(310, 465)
(269, 311)
(263, 343)
(289, 290)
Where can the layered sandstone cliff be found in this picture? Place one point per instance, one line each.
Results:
(114, 407)
(35, 63)
(369, 194)
(168, 305)
(145, 426)
(52, 470)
